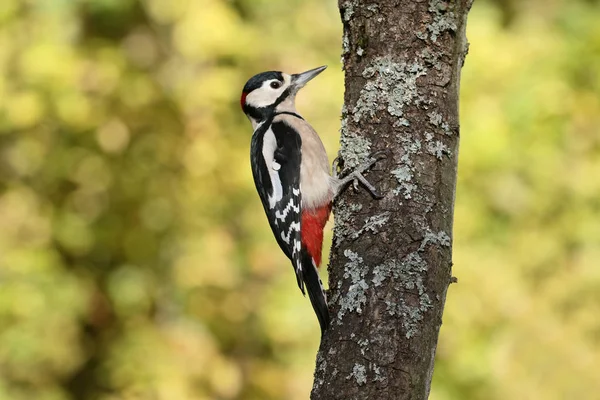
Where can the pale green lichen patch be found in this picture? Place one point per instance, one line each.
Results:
(430, 57)
(384, 271)
(348, 10)
(363, 345)
(372, 224)
(437, 149)
(373, 8)
(345, 44)
(412, 316)
(355, 271)
(343, 216)
(343, 219)
(404, 174)
(321, 368)
(391, 87)
(444, 19)
(377, 371)
(440, 238)
(356, 207)
(435, 118)
(354, 149)
(359, 373)
(409, 273)
(421, 35)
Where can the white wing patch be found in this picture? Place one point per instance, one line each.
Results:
(268, 152)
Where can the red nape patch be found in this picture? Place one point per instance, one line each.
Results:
(243, 99)
(313, 222)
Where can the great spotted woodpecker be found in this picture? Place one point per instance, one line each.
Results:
(292, 176)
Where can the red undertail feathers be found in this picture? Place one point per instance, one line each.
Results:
(313, 222)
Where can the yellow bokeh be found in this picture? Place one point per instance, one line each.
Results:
(135, 259)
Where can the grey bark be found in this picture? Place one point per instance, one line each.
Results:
(390, 264)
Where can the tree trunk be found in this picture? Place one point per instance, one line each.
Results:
(391, 259)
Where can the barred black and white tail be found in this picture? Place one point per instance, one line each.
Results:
(314, 287)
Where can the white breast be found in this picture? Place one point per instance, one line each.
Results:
(315, 180)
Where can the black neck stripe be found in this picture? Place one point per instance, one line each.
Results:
(289, 113)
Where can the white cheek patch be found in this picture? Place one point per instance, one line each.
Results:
(265, 95)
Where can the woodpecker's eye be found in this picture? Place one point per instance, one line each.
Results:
(275, 84)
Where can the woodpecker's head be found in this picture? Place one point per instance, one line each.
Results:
(273, 91)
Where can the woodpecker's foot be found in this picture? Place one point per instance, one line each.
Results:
(356, 176)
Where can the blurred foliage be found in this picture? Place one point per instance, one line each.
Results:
(135, 260)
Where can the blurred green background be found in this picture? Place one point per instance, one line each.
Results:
(135, 260)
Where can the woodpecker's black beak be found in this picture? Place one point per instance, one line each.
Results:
(299, 80)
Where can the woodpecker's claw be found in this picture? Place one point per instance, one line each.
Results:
(356, 176)
(373, 158)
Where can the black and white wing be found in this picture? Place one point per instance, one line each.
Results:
(276, 156)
